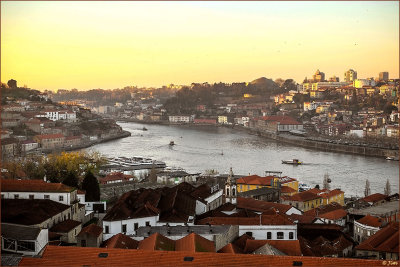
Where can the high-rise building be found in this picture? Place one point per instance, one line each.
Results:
(384, 76)
(12, 83)
(319, 76)
(350, 75)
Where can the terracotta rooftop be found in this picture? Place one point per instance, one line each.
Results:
(371, 221)
(64, 226)
(255, 180)
(374, 197)
(324, 193)
(194, 243)
(231, 248)
(334, 215)
(9, 185)
(287, 189)
(289, 247)
(29, 211)
(157, 242)
(260, 205)
(323, 209)
(276, 219)
(120, 241)
(385, 240)
(92, 229)
(240, 242)
(304, 196)
(85, 256)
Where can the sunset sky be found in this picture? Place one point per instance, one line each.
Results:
(85, 45)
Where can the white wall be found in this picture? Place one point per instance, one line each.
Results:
(259, 232)
(115, 227)
(40, 195)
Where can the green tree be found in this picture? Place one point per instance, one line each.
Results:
(91, 186)
(71, 179)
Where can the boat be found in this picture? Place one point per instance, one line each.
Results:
(144, 129)
(303, 187)
(293, 162)
(222, 153)
(172, 143)
(389, 158)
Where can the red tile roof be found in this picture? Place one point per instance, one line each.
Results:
(371, 221)
(374, 197)
(323, 209)
(276, 219)
(240, 242)
(157, 242)
(8, 185)
(65, 226)
(304, 196)
(255, 180)
(85, 256)
(259, 205)
(289, 247)
(287, 189)
(385, 240)
(231, 248)
(194, 243)
(334, 215)
(91, 229)
(324, 193)
(120, 241)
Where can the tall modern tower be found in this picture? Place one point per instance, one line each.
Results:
(384, 76)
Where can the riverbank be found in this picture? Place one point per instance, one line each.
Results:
(293, 140)
(87, 144)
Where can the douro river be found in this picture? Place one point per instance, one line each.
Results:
(200, 148)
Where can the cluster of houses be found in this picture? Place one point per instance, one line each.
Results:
(248, 215)
(38, 126)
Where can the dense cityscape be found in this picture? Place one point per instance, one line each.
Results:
(268, 171)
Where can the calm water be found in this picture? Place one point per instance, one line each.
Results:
(199, 149)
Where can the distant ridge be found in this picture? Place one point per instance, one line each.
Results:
(265, 83)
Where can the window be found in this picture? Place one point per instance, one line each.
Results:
(75, 231)
(249, 233)
(2, 196)
(291, 235)
(248, 187)
(46, 196)
(136, 226)
(124, 228)
(147, 223)
(31, 196)
(369, 233)
(279, 235)
(106, 229)
(269, 235)
(60, 198)
(9, 244)
(83, 243)
(227, 191)
(25, 246)
(233, 192)
(16, 196)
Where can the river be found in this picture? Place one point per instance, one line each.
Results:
(200, 148)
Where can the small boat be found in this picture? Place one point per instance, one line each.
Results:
(171, 143)
(222, 153)
(144, 129)
(389, 158)
(293, 162)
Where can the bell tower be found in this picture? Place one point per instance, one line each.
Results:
(230, 188)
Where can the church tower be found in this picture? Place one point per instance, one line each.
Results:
(230, 188)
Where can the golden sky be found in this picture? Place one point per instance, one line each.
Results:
(85, 45)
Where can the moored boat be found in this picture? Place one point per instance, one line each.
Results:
(172, 143)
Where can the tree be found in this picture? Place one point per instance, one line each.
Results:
(91, 186)
(387, 190)
(367, 190)
(71, 179)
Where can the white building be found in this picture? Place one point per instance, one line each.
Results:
(359, 83)
(22, 239)
(56, 115)
(38, 189)
(365, 227)
(181, 118)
